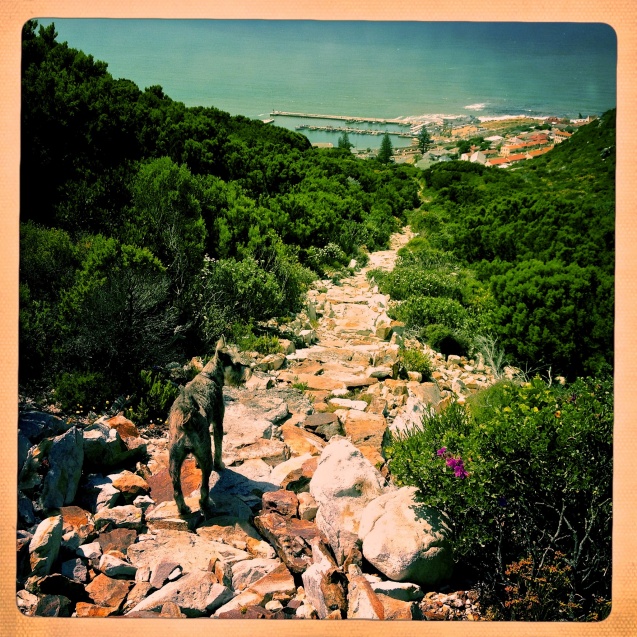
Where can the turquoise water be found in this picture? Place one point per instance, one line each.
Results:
(374, 69)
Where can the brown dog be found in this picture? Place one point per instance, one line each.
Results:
(198, 408)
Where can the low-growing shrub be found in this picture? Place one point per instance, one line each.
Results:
(153, 398)
(329, 257)
(415, 360)
(421, 311)
(444, 339)
(539, 591)
(83, 391)
(264, 344)
(406, 281)
(523, 471)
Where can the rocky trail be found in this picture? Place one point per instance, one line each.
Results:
(307, 523)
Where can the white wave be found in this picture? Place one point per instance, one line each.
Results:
(492, 118)
(480, 106)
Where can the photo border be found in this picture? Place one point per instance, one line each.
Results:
(619, 14)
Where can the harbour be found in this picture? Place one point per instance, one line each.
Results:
(354, 131)
(347, 118)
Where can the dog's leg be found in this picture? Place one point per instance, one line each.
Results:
(217, 434)
(176, 459)
(203, 454)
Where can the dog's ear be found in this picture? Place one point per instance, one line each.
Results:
(221, 343)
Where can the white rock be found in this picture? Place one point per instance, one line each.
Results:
(405, 540)
(404, 591)
(127, 516)
(313, 577)
(343, 484)
(274, 605)
(114, 567)
(45, 545)
(306, 611)
(249, 571)
(196, 593)
(358, 405)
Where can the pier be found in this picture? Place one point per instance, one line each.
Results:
(346, 118)
(347, 129)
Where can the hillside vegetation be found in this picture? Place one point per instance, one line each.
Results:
(525, 257)
(148, 229)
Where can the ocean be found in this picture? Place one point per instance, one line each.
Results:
(420, 70)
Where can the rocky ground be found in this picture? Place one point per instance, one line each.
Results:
(307, 523)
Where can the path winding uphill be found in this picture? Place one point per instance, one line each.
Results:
(306, 492)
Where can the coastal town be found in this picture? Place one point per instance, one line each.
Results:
(499, 142)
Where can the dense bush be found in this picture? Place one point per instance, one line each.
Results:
(524, 472)
(420, 311)
(415, 360)
(103, 162)
(83, 392)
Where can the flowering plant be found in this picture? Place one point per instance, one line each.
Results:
(457, 464)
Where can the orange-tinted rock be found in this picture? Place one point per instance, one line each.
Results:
(280, 580)
(77, 519)
(298, 480)
(377, 406)
(161, 487)
(284, 502)
(131, 485)
(84, 609)
(314, 420)
(123, 426)
(106, 591)
(362, 602)
(365, 429)
(301, 441)
(373, 455)
(117, 540)
(396, 609)
(360, 382)
(290, 538)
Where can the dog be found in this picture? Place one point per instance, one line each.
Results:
(197, 409)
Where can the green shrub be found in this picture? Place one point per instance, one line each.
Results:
(231, 291)
(408, 280)
(323, 259)
(83, 392)
(153, 398)
(522, 472)
(415, 360)
(263, 344)
(445, 340)
(421, 311)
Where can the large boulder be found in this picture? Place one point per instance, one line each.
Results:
(45, 545)
(405, 540)
(343, 484)
(104, 447)
(37, 425)
(189, 550)
(196, 593)
(66, 456)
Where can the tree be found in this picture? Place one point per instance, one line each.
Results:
(386, 150)
(343, 141)
(424, 140)
(166, 219)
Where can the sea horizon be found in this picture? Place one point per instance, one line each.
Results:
(421, 71)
